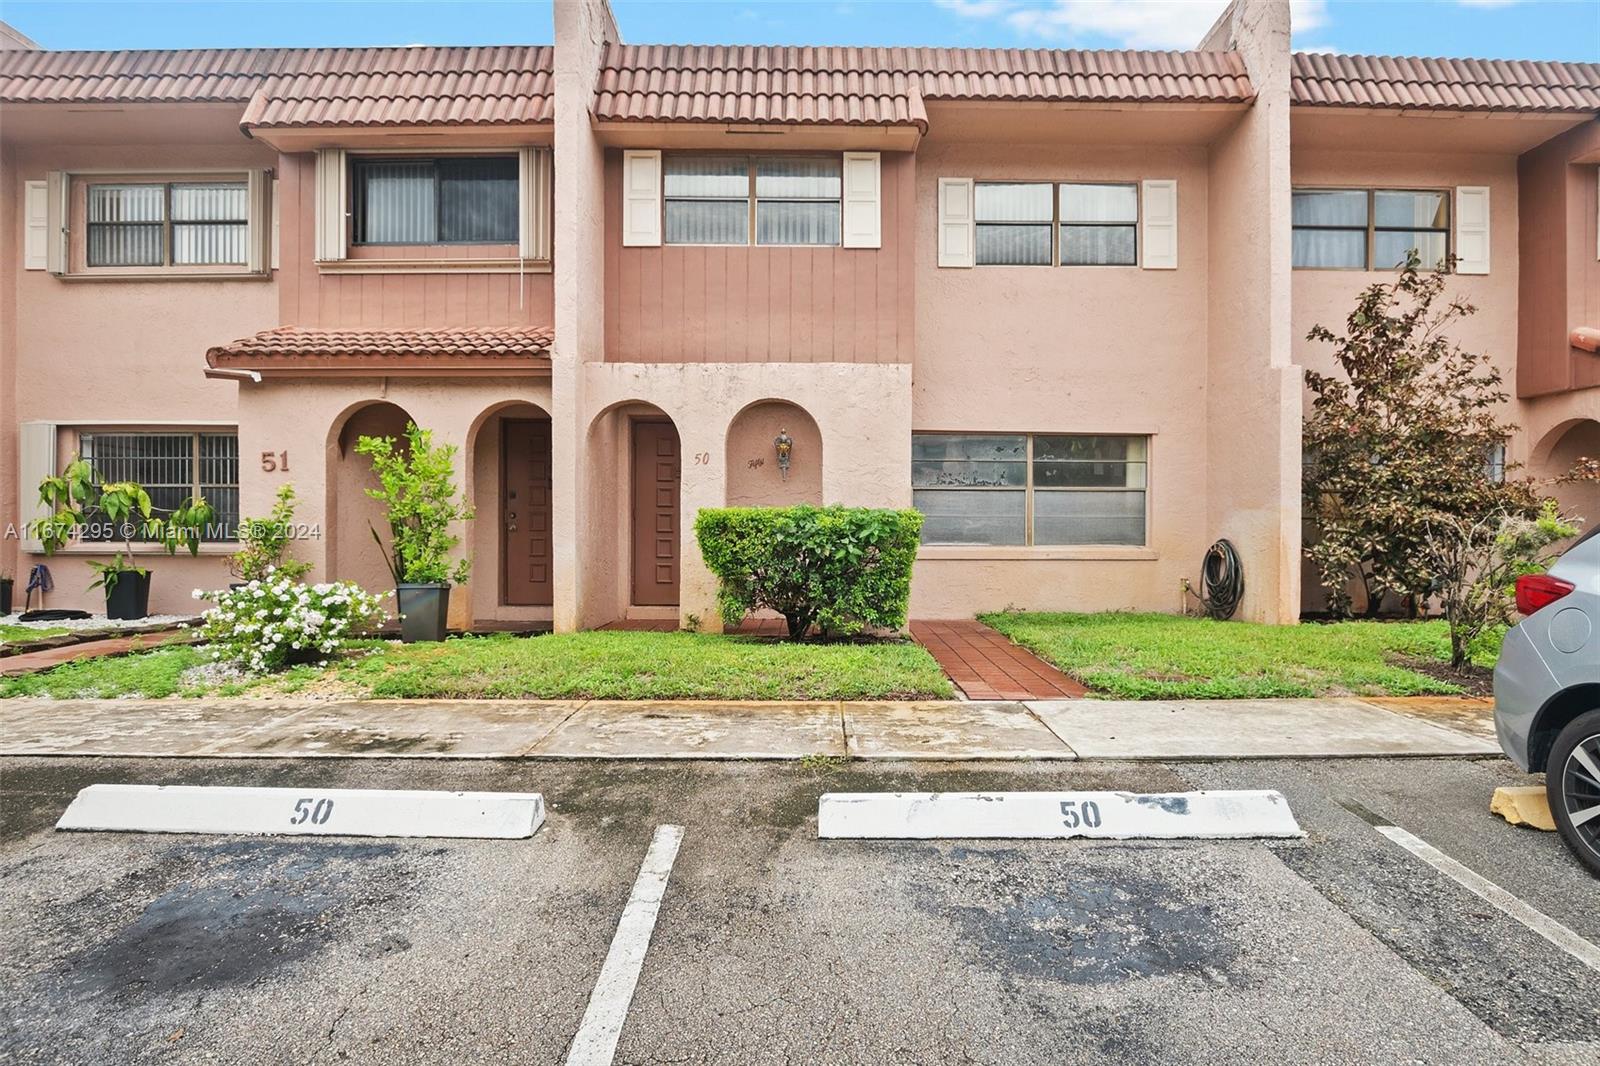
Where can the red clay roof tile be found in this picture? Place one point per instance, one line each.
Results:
(291, 345)
(1321, 80)
(887, 86)
(203, 74)
(492, 85)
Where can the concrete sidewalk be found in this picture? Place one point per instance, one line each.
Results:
(507, 729)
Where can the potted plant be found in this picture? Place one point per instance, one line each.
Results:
(417, 486)
(263, 543)
(74, 494)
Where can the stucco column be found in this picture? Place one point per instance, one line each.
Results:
(1252, 387)
(582, 30)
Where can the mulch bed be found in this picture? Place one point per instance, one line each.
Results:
(1474, 680)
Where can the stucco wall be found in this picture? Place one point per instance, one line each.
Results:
(1068, 350)
(102, 352)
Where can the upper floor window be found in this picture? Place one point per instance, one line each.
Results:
(1070, 223)
(1362, 229)
(167, 224)
(725, 199)
(1029, 489)
(448, 200)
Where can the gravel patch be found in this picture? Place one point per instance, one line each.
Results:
(154, 621)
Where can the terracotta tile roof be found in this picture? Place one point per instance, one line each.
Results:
(215, 74)
(1444, 84)
(887, 86)
(511, 84)
(291, 346)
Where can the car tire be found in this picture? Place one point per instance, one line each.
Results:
(1568, 787)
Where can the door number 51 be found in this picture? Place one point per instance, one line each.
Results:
(317, 812)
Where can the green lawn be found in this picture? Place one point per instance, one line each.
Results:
(1156, 656)
(23, 634)
(602, 665)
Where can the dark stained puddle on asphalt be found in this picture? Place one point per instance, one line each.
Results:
(1102, 923)
(238, 912)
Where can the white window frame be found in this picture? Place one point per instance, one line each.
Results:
(1373, 229)
(1030, 490)
(1057, 224)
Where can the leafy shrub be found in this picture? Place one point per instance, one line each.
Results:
(417, 485)
(838, 568)
(278, 622)
(263, 542)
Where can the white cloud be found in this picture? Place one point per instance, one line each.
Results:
(1142, 24)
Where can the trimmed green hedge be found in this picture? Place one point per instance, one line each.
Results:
(840, 569)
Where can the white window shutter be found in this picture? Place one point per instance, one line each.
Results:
(957, 234)
(641, 199)
(1472, 229)
(259, 235)
(36, 460)
(277, 225)
(58, 187)
(1159, 205)
(332, 197)
(863, 198)
(533, 200)
(36, 242)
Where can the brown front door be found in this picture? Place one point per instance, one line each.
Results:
(655, 514)
(525, 560)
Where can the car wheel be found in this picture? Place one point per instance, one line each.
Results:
(1572, 781)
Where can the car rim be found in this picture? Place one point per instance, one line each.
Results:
(1580, 790)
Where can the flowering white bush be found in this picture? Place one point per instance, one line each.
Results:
(277, 621)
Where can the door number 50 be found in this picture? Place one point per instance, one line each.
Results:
(1085, 814)
(317, 812)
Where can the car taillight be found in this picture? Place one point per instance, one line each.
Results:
(1540, 590)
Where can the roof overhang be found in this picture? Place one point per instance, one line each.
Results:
(1082, 121)
(76, 122)
(736, 136)
(288, 351)
(1418, 130)
(488, 135)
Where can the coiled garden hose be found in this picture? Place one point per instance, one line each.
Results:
(1221, 581)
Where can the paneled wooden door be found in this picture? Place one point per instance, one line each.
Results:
(525, 560)
(656, 525)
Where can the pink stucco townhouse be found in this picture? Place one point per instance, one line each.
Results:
(1054, 299)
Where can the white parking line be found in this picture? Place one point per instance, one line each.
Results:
(596, 1042)
(1534, 919)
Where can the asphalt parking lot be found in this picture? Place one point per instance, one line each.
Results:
(773, 946)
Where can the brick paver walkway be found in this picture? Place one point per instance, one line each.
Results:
(986, 666)
(31, 662)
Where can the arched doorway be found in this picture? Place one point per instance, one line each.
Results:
(512, 496)
(351, 513)
(636, 451)
(756, 477)
(1554, 459)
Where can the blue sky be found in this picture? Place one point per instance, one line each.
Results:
(1528, 29)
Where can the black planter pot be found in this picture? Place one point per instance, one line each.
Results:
(129, 598)
(5, 595)
(424, 610)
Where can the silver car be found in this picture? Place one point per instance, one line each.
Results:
(1547, 691)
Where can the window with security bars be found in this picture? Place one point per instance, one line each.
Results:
(449, 200)
(1022, 223)
(171, 467)
(192, 223)
(768, 200)
(1030, 489)
(1362, 229)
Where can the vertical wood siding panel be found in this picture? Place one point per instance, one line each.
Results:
(737, 341)
(906, 250)
(780, 322)
(756, 321)
(802, 313)
(672, 266)
(716, 315)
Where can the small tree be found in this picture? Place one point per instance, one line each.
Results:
(264, 542)
(417, 486)
(837, 568)
(1478, 561)
(1400, 440)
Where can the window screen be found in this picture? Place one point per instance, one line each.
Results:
(178, 223)
(1013, 223)
(1407, 220)
(450, 200)
(1329, 228)
(1099, 225)
(210, 223)
(1359, 229)
(1039, 490)
(797, 200)
(707, 199)
(172, 467)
